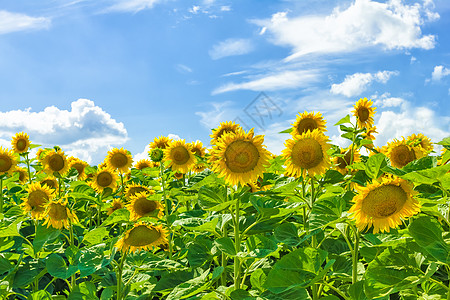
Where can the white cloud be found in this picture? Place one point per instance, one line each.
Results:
(132, 5)
(225, 8)
(220, 112)
(277, 81)
(365, 23)
(231, 47)
(183, 69)
(85, 131)
(194, 9)
(12, 22)
(439, 72)
(357, 83)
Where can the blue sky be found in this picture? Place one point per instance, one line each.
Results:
(90, 75)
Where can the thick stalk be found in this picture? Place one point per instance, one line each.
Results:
(119, 275)
(1, 194)
(72, 277)
(355, 256)
(237, 244)
(166, 207)
(315, 287)
(28, 166)
(223, 279)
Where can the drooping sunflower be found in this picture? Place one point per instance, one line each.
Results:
(50, 181)
(140, 206)
(144, 163)
(20, 142)
(133, 188)
(161, 142)
(240, 157)
(307, 153)
(142, 236)
(8, 161)
(342, 162)
(78, 165)
(119, 159)
(224, 127)
(384, 204)
(198, 149)
(308, 121)
(400, 153)
(37, 198)
(178, 175)
(104, 178)
(40, 154)
(179, 156)
(364, 113)
(115, 205)
(23, 174)
(55, 161)
(199, 167)
(58, 215)
(422, 141)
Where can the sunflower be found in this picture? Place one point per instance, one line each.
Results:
(104, 178)
(50, 181)
(198, 149)
(342, 162)
(55, 161)
(364, 113)
(132, 189)
(23, 174)
(307, 152)
(179, 156)
(144, 163)
(308, 122)
(178, 175)
(240, 157)
(199, 167)
(140, 206)
(224, 127)
(8, 161)
(142, 236)
(58, 215)
(400, 153)
(78, 165)
(422, 141)
(161, 142)
(40, 154)
(156, 155)
(20, 142)
(119, 159)
(115, 205)
(384, 204)
(35, 202)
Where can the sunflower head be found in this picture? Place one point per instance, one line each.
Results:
(364, 112)
(307, 153)
(345, 160)
(40, 154)
(179, 156)
(144, 163)
(198, 149)
(132, 189)
(178, 175)
(119, 159)
(23, 174)
(140, 206)
(308, 121)
(224, 127)
(400, 153)
(20, 142)
(8, 161)
(58, 215)
(384, 204)
(38, 197)
(420, 140)
(55, 161)
(142, 236)
(199, 167)
(240, 157)
(161, 142)
(115, 205)
(50, 181)
(78, 165)
(156, 155)
(104, 178)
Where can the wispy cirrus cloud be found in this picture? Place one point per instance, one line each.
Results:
(132, 5)
(13, 22)
(231, 47)
(357, 83)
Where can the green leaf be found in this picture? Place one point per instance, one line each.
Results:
(326, 211)
(287, 233)
(241, 294)
(213, 198)
(40, 295)
(5, 266)
(445, 142)
(90, 260)
(190, 287)
(107, 294)
(356, 291)
(43, 235)
(289, 130)
(374, 165)
(217, 273)
(257, 279)
(96, 236)
(121, 215)
(85, 291)
(12, 229)
(199, 252)
(56, 266)
(428, 234)
(344, 120)
(428, 176)
(226, 245)
(423, 163)
(292, 294)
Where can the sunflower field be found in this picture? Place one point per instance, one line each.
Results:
(233, 221)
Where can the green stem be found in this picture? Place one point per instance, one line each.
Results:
(119, 275)
(223, 279)
(166, 208)
(314, 287)
(237, 244)
(28, 166)
(355, 256)
(1, 194)
(59, 186)
(72, 277)
(336, 290)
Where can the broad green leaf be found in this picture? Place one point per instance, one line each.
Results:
(423, 163)
(356, 291)
(374, 165)
(326, 212)
(292, 294)
(25, 275)
(107, 294)
(5, 266)
(121, 215)
(12, 229)
(260, 246)
(217, 273)
(40, 295)
(96, 236)
(287, 233)
(428, 176)
(199, 252)
(85, 291)
(213, 198)
(190, 287)
(289, 130)
(257, 279)
(90, 261)
(428, 234)
(57, 267)
(344, 120)
(43, 235)
(241, 294)
(226, 245)
(445, 142)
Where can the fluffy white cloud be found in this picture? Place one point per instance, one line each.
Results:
(132, 5)
(439, 72)
(231, 47)
(11, 22)
(365, 23)
(276, 81)
(219, 112)
(357, 83)
(86, 131)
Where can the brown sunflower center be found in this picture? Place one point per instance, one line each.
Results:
(143, 165)
(384, 201)
(223, 131)
(119, 160)
(37, 199)
(241, 156)
(104, 179)
(50, 183)
(344, 161)
(5, 163)
(56, 162)
(21, 144)
(22, 175)
(136, 189)
(79, 167)
(143, 206)
(307, 153)
(197, 151)
(180, 155)
(142, 235)
(116, 205)
(402, 155)
(306, 124)
(363, 114)
(58, 212)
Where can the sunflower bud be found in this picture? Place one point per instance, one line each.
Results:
(156, 155)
